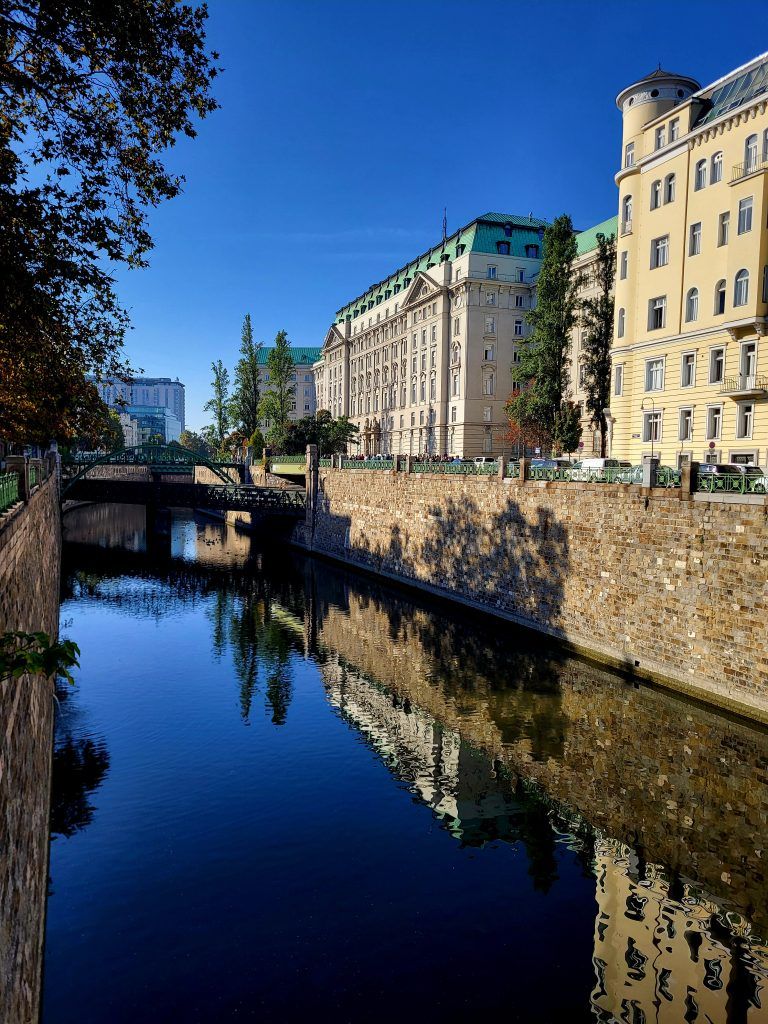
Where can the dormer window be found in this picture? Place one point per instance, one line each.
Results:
(508, 230)
(502, 248)
(532, 252)
(460, 250)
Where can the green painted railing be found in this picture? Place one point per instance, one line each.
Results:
(9, 490)
(370, 464)
(325, 463)
(549, 473)
(33, 476)
(731, 483)
(456, 468)
(666, 476)
(288, 460)
(513, 470)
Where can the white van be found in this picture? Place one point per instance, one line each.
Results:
(594, 469)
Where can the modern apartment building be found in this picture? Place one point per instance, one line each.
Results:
(422, 362)
(160, 392)
(690, 368)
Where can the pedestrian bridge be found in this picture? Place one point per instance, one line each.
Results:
(168, 479)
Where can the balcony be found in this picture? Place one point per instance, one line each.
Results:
(746, 385)
(749, 167)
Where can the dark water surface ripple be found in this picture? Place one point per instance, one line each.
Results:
(285, 792)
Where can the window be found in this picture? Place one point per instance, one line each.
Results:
(669, 188)
(716, 169)
(692, 305)
(723, 226)
(694, 239)
(652, 426)
(654, 375)
(455, 384)
(518, 328)
(714, 422)
(655, 195)
(629, 154)
(620, 324)
(432, 389)
(660, 137)
(744, 419)
(623, 265)
(518, 302)
(456, 325)
(700, 175)
(502, 248)
(720, 298)
(490, 325)
(487, 413)
(741, 288)
(688, 370)
(490, 298)
(716, 365)
(532, 251)
(488, 353)
(685, 429)
(750, 154)
(660, 252)
(618, 380)
(626, 215)
(520, 275)
(487, 440)
(488, 383)
(745, 216)
(491, 273)
(657, 313)
(674, 129)
(433, 333)
(413, 393)
(453, 414)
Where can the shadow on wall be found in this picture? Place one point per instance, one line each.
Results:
(506, 560)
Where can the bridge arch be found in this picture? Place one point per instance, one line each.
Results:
(159, 456)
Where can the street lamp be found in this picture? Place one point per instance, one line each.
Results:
(653, 413)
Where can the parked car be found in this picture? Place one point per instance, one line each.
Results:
(592, 470)
(484, 460)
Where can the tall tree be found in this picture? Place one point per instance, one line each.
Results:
(276, 402)
(218, 403)
(246, 394)
(91, 96)
(543, 370)
(597, 319)
(567, 431)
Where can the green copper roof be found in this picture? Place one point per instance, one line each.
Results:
(736, 90)
(479, 235)
(303, 355)
(586, 241)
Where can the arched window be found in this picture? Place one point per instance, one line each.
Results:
(620, 324)
(750, 154)
(700, 176)
(626, 214)
(655, 195)
(508, 230)
(741, 288)
(692, 305)
(669, 188)
(455, 353)
(720, 298)
(716, 171)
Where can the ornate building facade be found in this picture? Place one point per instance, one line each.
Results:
(423, 361)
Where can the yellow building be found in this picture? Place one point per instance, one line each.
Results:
(690, 370)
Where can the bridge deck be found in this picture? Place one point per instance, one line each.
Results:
(271, 501)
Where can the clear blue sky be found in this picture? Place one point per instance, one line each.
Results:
(346, 127)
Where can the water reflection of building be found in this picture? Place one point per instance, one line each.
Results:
(666, 953)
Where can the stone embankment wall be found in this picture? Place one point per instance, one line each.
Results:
(30, 563)
(669, 587)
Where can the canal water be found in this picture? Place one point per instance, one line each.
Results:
(283, 791)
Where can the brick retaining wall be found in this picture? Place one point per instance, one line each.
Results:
(672, 588)
(30, 563)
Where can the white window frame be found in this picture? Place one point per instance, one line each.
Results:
(700, 175)
(716, 168)
(659, 369)
(692, 305)
(621, 322)
(491, 275)
(713, 354)
(656, 194)
(623, 264)
(657, 302)
(711, 410)
(618, 379)
(746, 207)
(686, 410)
(670, 185)
(653, 418)
(741, 421)
(723, 228)
(692, 382)
(741, 288)
(659, 252)
(694, 239)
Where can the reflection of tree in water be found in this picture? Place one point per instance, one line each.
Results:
(79, 767)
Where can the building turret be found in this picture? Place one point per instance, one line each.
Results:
(645, 100)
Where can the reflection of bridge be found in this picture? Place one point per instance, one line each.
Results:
(164, 475)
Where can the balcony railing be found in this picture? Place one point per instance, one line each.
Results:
(744, 384)
(748, 167)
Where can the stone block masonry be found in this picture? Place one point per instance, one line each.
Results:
(30, 564)
(671, 588)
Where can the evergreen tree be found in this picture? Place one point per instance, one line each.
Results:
(276, 402)
(246, 395)
(543, 370)
(218, 404)
(567, 431)
(597, 319)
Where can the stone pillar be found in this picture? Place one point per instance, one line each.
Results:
(408, 463)
(523, 469)
(502, 466)
(689, 473)
(649, 472)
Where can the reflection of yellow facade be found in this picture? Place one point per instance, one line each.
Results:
(690, 362)
(655, 956)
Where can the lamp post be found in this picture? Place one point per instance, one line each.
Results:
(653, 413)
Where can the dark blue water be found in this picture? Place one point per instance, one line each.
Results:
(285, 792)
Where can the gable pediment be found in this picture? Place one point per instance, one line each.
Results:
(419, 289)
(333, 337)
